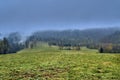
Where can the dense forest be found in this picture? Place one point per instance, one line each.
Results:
(105, 40)
(73, 36)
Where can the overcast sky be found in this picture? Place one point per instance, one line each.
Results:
(30, 15)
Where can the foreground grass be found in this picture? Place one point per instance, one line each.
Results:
(49, 63)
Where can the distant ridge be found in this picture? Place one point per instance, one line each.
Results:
(113, 38)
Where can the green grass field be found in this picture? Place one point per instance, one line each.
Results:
(50, 63)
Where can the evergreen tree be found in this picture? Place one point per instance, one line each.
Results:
(101, 50)
(5, 45)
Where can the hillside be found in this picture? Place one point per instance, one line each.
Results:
(50, 63)
(113, 38)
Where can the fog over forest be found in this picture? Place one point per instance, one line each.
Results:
(59, 39)
(58, 22)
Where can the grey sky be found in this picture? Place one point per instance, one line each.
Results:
(30, 15)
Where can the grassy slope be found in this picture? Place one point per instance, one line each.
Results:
(45, 63)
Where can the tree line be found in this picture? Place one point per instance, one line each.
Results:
(11, 44)
(67, 39)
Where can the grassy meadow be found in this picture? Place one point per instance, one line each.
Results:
(50, 63)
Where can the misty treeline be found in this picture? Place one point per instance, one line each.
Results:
(11, 44)
(105, 40)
